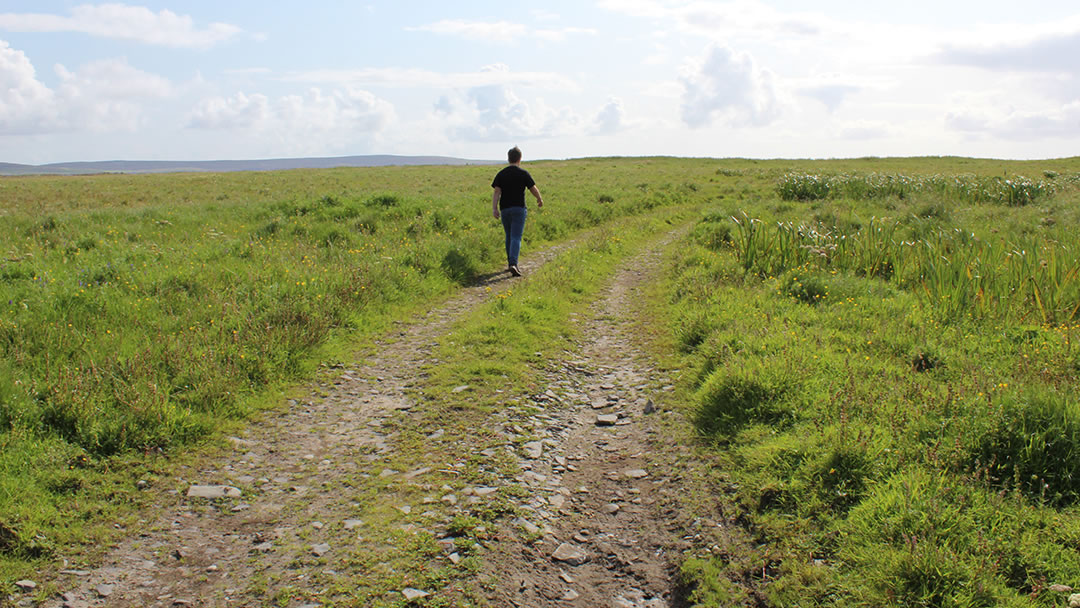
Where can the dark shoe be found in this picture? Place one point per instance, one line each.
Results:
(514, 271)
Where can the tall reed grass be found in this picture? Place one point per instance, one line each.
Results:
(1022, 278)
(1014, 192)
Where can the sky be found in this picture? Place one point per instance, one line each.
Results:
(243, 79)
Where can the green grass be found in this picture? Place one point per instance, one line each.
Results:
(890, 381)
(143, 315)
(888, 375)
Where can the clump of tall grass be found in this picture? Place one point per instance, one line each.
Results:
(959, 274)
(733, 397)
(1031, 442)
(1014, 192)
(804, 187)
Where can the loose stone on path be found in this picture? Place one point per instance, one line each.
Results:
(213, 492)
(607, 419)
(570, 554)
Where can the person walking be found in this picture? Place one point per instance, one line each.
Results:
(508, 204)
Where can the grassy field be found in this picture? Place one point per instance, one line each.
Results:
(878, 353)
(882, 358)
(142, 315)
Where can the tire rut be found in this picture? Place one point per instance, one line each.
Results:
(603, 537)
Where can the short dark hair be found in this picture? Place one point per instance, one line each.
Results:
(513, 155)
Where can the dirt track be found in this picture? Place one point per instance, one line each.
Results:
(594, 531)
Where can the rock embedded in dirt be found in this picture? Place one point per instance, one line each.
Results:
(413, 594)
(320, 549)
(526, 525)
(569, 554)
(26, 585)
(610, 508)
(534, 449)
(636, 473)
(213, 492)
(105, 590)
(607, 419)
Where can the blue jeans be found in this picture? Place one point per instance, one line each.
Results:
(513, 219)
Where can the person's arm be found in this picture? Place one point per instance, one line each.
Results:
(495, 196)
(536, 192)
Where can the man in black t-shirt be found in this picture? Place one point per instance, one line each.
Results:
(508, 204)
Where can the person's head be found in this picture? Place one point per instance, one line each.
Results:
(513, 155)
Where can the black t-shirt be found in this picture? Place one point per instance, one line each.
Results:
(513, 181)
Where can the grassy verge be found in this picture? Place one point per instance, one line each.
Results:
(901, 430)
(142, 315)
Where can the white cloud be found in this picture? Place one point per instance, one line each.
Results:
(108, 95)
(724, 20)
(498, 31)
(865, 130)
(237, 112)
(338, 114)
(125, 22)
(26, 105)
(1053, 52)
(495, 113)
(610, 119)
(832, 94)
(102, 96)
(1061, 123)
(728, 86)
(493, 75)
(112, 79)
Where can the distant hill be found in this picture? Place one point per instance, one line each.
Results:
(214, 166)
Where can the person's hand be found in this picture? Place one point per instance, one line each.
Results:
(495, 212)
(540, 204)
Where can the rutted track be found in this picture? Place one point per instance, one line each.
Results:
(604, 538)
(594, 533)
(198, 553)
